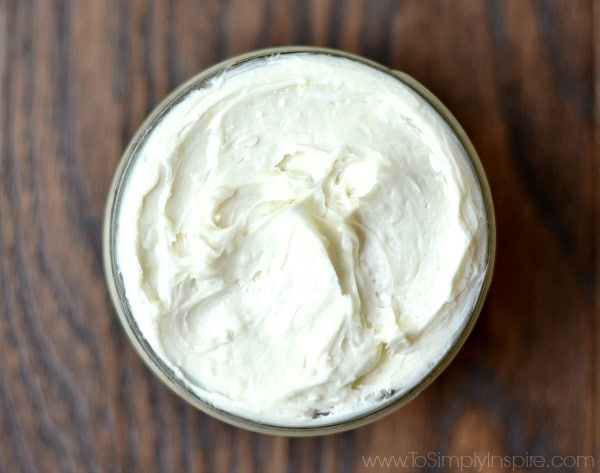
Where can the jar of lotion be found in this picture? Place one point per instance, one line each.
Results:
(298, 240)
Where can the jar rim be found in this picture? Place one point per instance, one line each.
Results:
(116, 286)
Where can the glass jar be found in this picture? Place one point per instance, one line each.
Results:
(128, 319)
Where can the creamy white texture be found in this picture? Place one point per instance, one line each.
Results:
(302, 236)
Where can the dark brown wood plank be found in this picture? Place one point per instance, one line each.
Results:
(77, 79)
(596, 242)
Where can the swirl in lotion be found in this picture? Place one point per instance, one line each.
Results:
(301, 237)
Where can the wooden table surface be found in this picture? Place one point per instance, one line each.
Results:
(78, 77)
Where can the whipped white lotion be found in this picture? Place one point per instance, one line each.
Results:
(301, 239)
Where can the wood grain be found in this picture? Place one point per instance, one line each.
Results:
(77, 79)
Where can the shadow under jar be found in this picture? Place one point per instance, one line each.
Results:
(298, 240)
